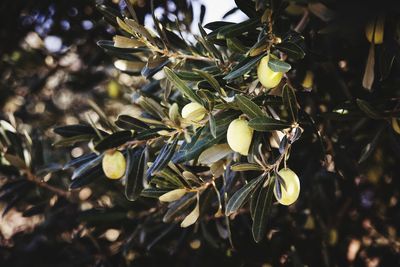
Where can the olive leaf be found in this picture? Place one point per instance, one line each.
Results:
(165, 155)
(278, 65)
(242, 195)
(265, 124)
(248, 107)
(136, 163)
(243, 67)
(114, 140)
(262, 212)
(192, 217)
(290, 102)
(214, 153)
(368, 109)
(181, 86)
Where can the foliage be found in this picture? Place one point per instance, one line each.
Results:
(336, 126)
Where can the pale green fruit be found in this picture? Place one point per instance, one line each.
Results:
(114, 165)
(268, 77)
(193, 111)
(290, 195)
(239, 136)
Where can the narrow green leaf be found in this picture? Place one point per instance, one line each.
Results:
(240, 167)
(210, 79)
(248, 107)
(237, 29)
(290, 101)
(278, 65)
(134, 174)
(181, 85)
(153, 192)
(368, 109)
(114, 140)
(261, 212)
(130, 123)
(213, 126)
(243, 67)
(242, 195)
(163, 158)
(293, 50)
(265, 124)
(178, 207)
(236, 46)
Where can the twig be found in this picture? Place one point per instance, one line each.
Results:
(32, 178)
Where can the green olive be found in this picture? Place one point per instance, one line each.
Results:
(239, 136)
(290, 195)
(268, 77)
(194, 112)
(114, 164)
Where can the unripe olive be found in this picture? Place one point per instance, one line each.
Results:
(239, 136)
(268, 77)
(290, 195)
(114, 164)
(376, 25)
(308, 80)
(193, 111)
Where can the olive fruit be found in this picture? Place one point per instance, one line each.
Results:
(114, 164)
(375, 29)
(239, 136)
(268, 77)
(290, 195)
(193, 111)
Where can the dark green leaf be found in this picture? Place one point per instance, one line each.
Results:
(261, 212)
(76, 129)
(165, 155)
(278, 65)
(136, 163)
(237, 29)
(213, 126)
(130, 123)
(293, 50)
(243, 67)
(87, 178)
(211, 80)
(265, 124)
(370, 147)
(368, 109)
(153, 66)
(181, 86)
(290, 101)
(248, 107)
(236, 46)
(242, 195)
(86, 167)
(178, 207)
(80, 160)
(153, 192)
(247, 7)
(70, 141)
(114, 140)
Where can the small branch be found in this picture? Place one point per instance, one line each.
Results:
(32, 178)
